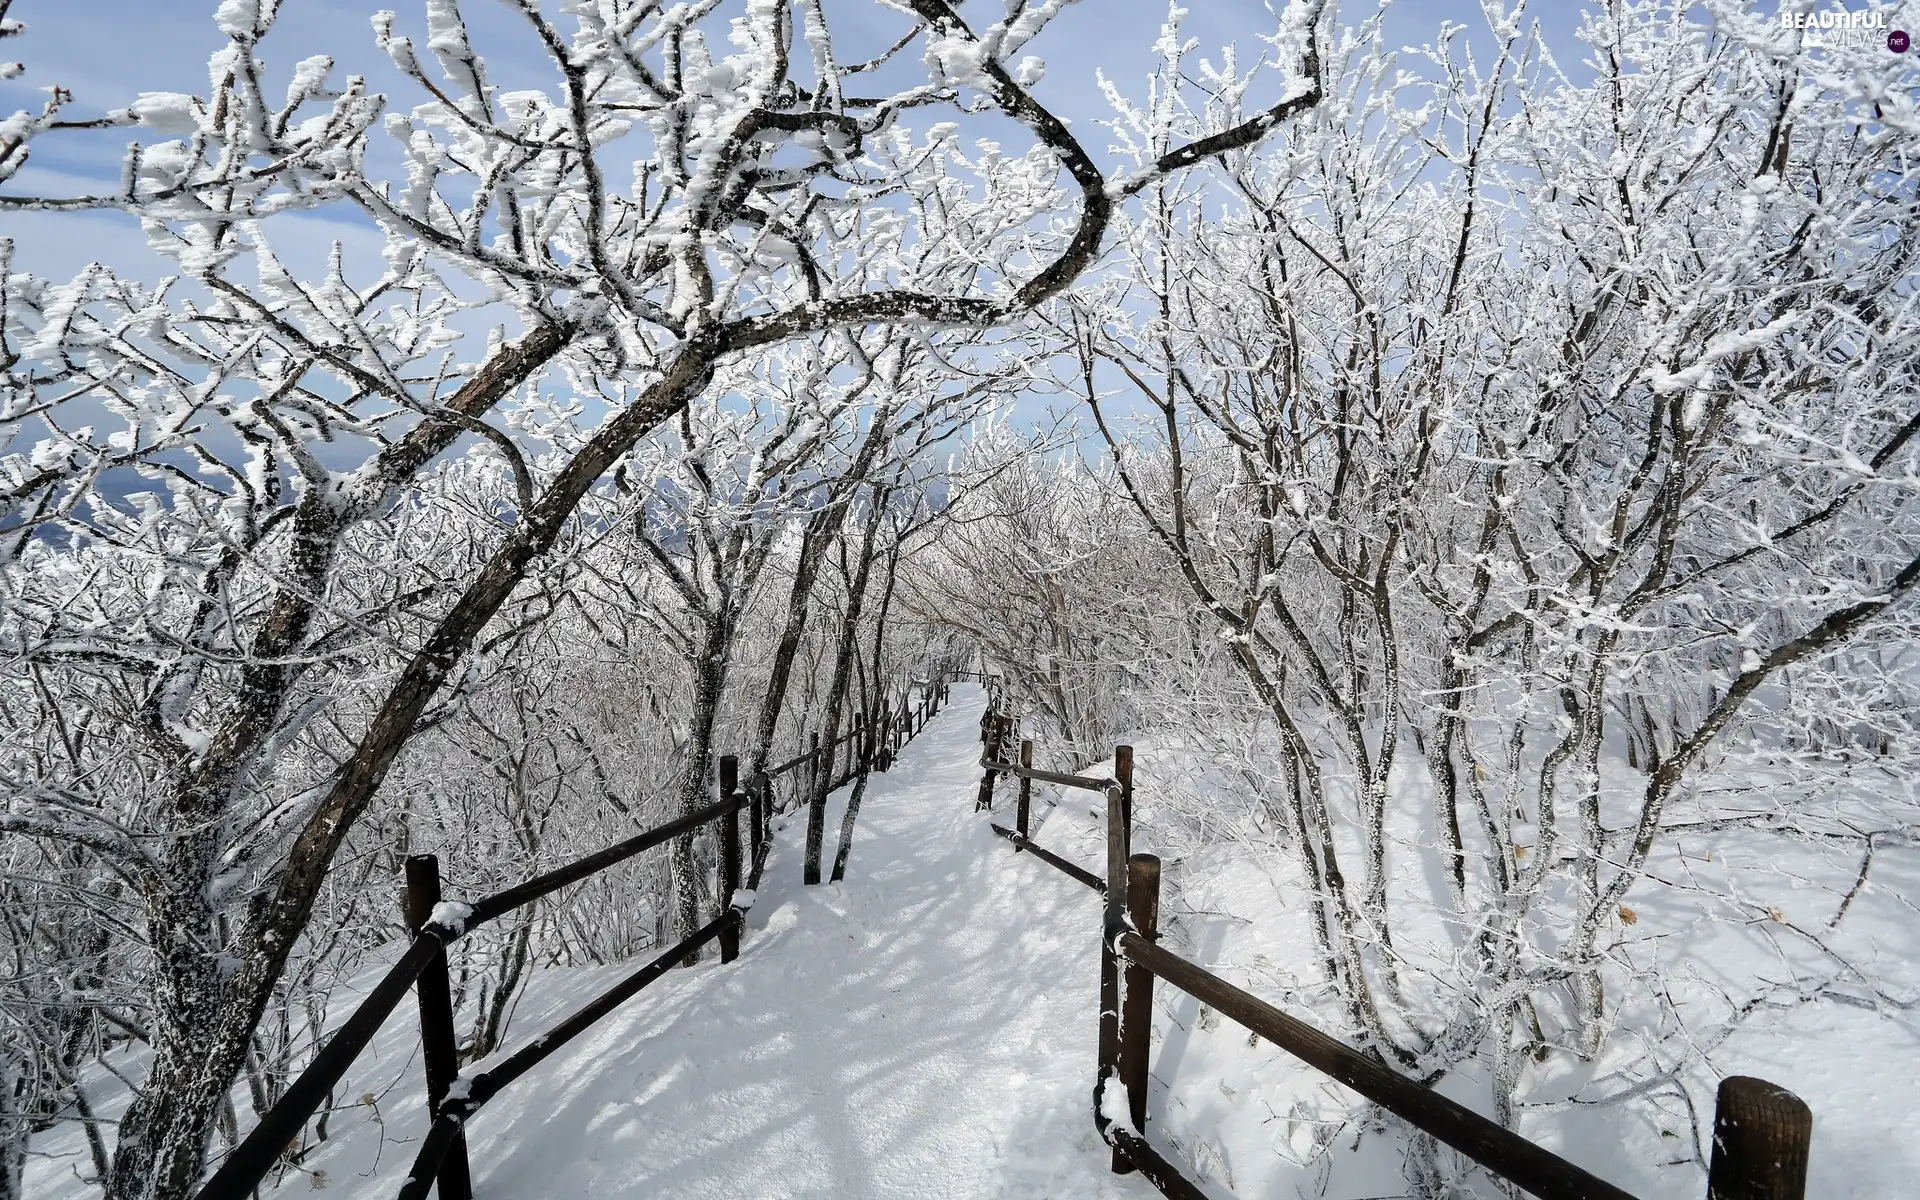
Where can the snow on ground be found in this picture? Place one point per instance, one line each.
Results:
(925, 1029)
(1246, 1117)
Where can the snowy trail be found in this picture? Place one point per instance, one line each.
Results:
(925, 1029)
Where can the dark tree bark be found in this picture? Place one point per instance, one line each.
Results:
(816, 539)
(849, 644)
(876, 702)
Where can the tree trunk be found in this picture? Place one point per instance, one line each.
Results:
(837, 690)
(813, 552)
(873, 715)
(709, 682)
(204, 1017)
(816, 539)
(13, 1132)
(164, 1133)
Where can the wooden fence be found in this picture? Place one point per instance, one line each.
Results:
(437, 924)
(1762, 1132)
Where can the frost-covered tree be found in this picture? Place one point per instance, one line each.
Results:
(1537, 457)
(1041, 569)
(709, 506)
(196, 467)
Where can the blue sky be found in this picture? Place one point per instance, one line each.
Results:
(108, 51)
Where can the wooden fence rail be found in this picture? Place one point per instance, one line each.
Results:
(996, 734)
(1761, 1132)
(1053, 860)
(451, 1115)
(437, 924)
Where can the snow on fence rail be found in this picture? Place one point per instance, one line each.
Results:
(437, 924)
(1762, 1132)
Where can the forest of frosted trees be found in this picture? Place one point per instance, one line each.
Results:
(1488, 466)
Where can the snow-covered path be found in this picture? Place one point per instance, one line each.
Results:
(925, 1029)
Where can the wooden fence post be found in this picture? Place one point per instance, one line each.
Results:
(1026, 790)
(1114, 921)
(994, 736)
(1761, 1137)
(1123, 771)
(1136, 1010)
(439, 1051)
(729, 855)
